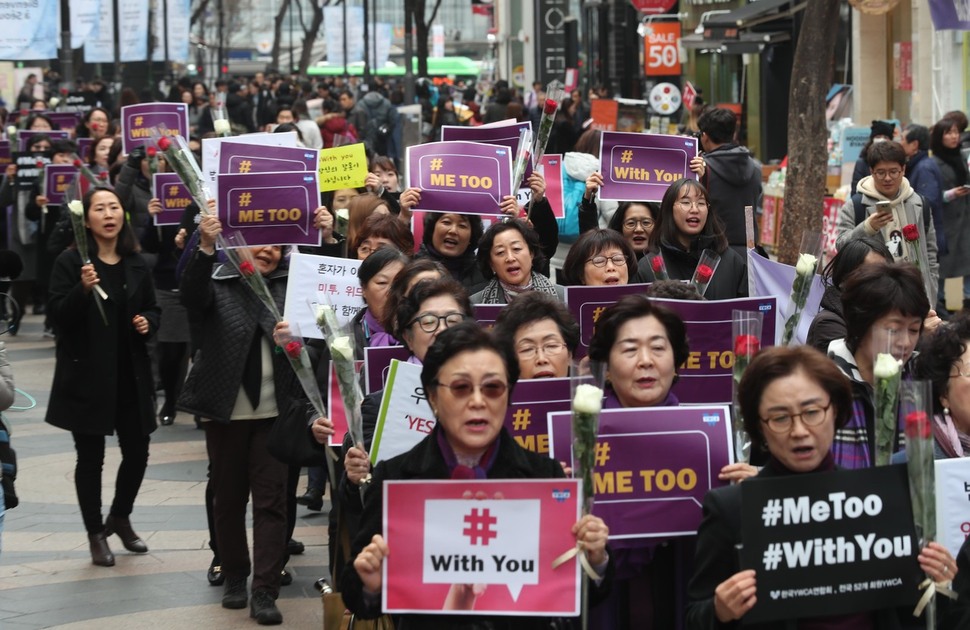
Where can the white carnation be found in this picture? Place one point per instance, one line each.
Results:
(588, 399)
(805, 265)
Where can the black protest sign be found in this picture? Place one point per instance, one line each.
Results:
(829, 543)
(30, 168)
(80, 101)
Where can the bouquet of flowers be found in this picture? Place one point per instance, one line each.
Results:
(704, 271)
(886, 372)
(341, 347)
(76, 210)
(180, 159)
(805, 269)
(659, 267)
(220, 122)
(920, 257)
(521, 158)
(151, 152)
(241, 257)
(746, 330)
(554, 95)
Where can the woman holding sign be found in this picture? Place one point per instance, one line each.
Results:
(469, 378)
(793, 400)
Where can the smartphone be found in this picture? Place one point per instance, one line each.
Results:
(883, 206)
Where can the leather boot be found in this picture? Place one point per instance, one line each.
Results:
(122, 526)
(100, 552)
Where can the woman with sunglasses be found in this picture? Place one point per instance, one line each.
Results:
(599, 258)
(469, 378)
(686, 228)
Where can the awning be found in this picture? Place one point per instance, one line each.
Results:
(747, 42)
(751, 16)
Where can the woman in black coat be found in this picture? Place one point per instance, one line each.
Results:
(102, 379)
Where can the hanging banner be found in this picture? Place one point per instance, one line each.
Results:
(950, 15)
(99, 47)
(172, 22)
(28, 30)
(84, 20)
(133, 30)
(333, 25)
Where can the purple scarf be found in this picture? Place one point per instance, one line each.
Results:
(459, 471)
(375, 334)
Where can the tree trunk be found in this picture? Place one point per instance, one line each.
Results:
(807, 134)
(421, 29)
(198, 13)
(278, 33)
(310, 36)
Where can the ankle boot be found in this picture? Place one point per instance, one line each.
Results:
(122, 526)
(100, 552)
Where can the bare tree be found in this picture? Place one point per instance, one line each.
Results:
(421, 29)
(310, 32)
(807, 134)
(278, 32)
(199, 12)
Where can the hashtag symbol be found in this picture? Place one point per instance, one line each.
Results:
(138, 121)
(173, 190)
(520, 419)
(602, 453)
(626, 156)
(597, 312)
(245, 166)
(436, 164)
(772, 556)
(479, 528)
(244, 199)
(771, 512)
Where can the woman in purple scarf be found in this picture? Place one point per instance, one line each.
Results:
(376, 274)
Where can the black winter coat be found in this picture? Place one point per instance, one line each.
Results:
(84, 394)
(730, 278)
(733, 181)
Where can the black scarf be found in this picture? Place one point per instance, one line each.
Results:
(954, 158)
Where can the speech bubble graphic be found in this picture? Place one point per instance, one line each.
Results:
(262, 164)
(632, 164)
(643, 165)
(469, 176)
(481, 542)
(138, 120)
(270, 207)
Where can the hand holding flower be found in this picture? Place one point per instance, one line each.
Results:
(140, 324)
(592, 534)
(937, 562)
(89, 277)
(209, 229)
(356, 464)
(322, 429)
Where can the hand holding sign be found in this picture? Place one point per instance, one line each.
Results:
(369, 564)
(735, 596)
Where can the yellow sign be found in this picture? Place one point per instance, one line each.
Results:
(343, 167)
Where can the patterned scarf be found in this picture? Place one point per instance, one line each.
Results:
(497, 292)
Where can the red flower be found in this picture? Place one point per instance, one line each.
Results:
(246, 268)
(911, 232)
(164, 143)
(103, 176)
(77, 163)
(703, 273)
(917, 426)
(151, 151)
(550, 107)
(40, 164)
(746, 345)
(24, 112)
(63, 91)
(293, 349)
(657, 263)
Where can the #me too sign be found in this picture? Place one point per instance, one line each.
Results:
(441, 542)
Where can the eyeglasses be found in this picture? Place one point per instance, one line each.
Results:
(810, 417)
(464, 389)
(429, 322)
(686, 204)
(631, 224)
(892, 173)
(600, 261)
(367, 250)
(549, 349)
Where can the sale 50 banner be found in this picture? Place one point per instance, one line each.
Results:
(492, 554)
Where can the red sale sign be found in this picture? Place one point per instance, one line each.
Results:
(662, 42)
(455, 555)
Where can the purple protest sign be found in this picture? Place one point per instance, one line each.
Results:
(137, 121)
(238, 157)
(24, 136)
(504, 133)
(641, 166)
(531, 402)
(270, 208)
(466, 177)
(706, 376)
(486, 314)
(173, 194)
(377, 362)
(58, 178)
(5, 155)
(84, 147)
(66, 121)
(653, 466)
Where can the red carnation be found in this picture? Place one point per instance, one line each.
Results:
(151, 151)
(657, 263)
(293, 349)
(77, 163)
(40, 164)
(103, 176)
(24, 112)
(918, 426)
(550, 107)
(164, 143)
(704, 274)
(246, 268)
(64, 91)
(911, 232)
(746, 345)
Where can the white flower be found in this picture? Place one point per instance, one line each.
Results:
(75, 207)
(54, 101)
(342, 348)
(221, 126)
(805, 265)
(11, 131)
(886, 366)
(588, 399)
(343, 213)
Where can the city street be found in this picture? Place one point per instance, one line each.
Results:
(46, 576)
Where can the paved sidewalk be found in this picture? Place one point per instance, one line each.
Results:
(46, 576)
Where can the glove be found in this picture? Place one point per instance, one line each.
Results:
(136, 156)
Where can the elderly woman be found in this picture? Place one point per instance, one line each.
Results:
(793, 401)
(543, 334)
(880, 301)
(376, 274)
(469, 378)
(599, 258)
(509, 255)
(944, 360)
(378, 231)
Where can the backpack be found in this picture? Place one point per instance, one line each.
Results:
(380, 126)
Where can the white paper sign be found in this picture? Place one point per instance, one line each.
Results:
(212, 150)
(405, 417)
(952, 502)
(321, 280)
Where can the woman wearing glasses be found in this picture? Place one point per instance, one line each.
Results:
(793, 400)
(686, 228)
(509, 256)
(599, 258)
(635, 220)
(543, 334)
(944, 360)
(469, 377)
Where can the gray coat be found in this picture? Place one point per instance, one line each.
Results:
(956, 226)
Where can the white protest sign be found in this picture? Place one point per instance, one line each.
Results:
(952, 502)
(405, 417)
(482, 542)
(212, 150)
(321, 280)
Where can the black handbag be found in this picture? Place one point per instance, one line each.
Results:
(290, 442)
